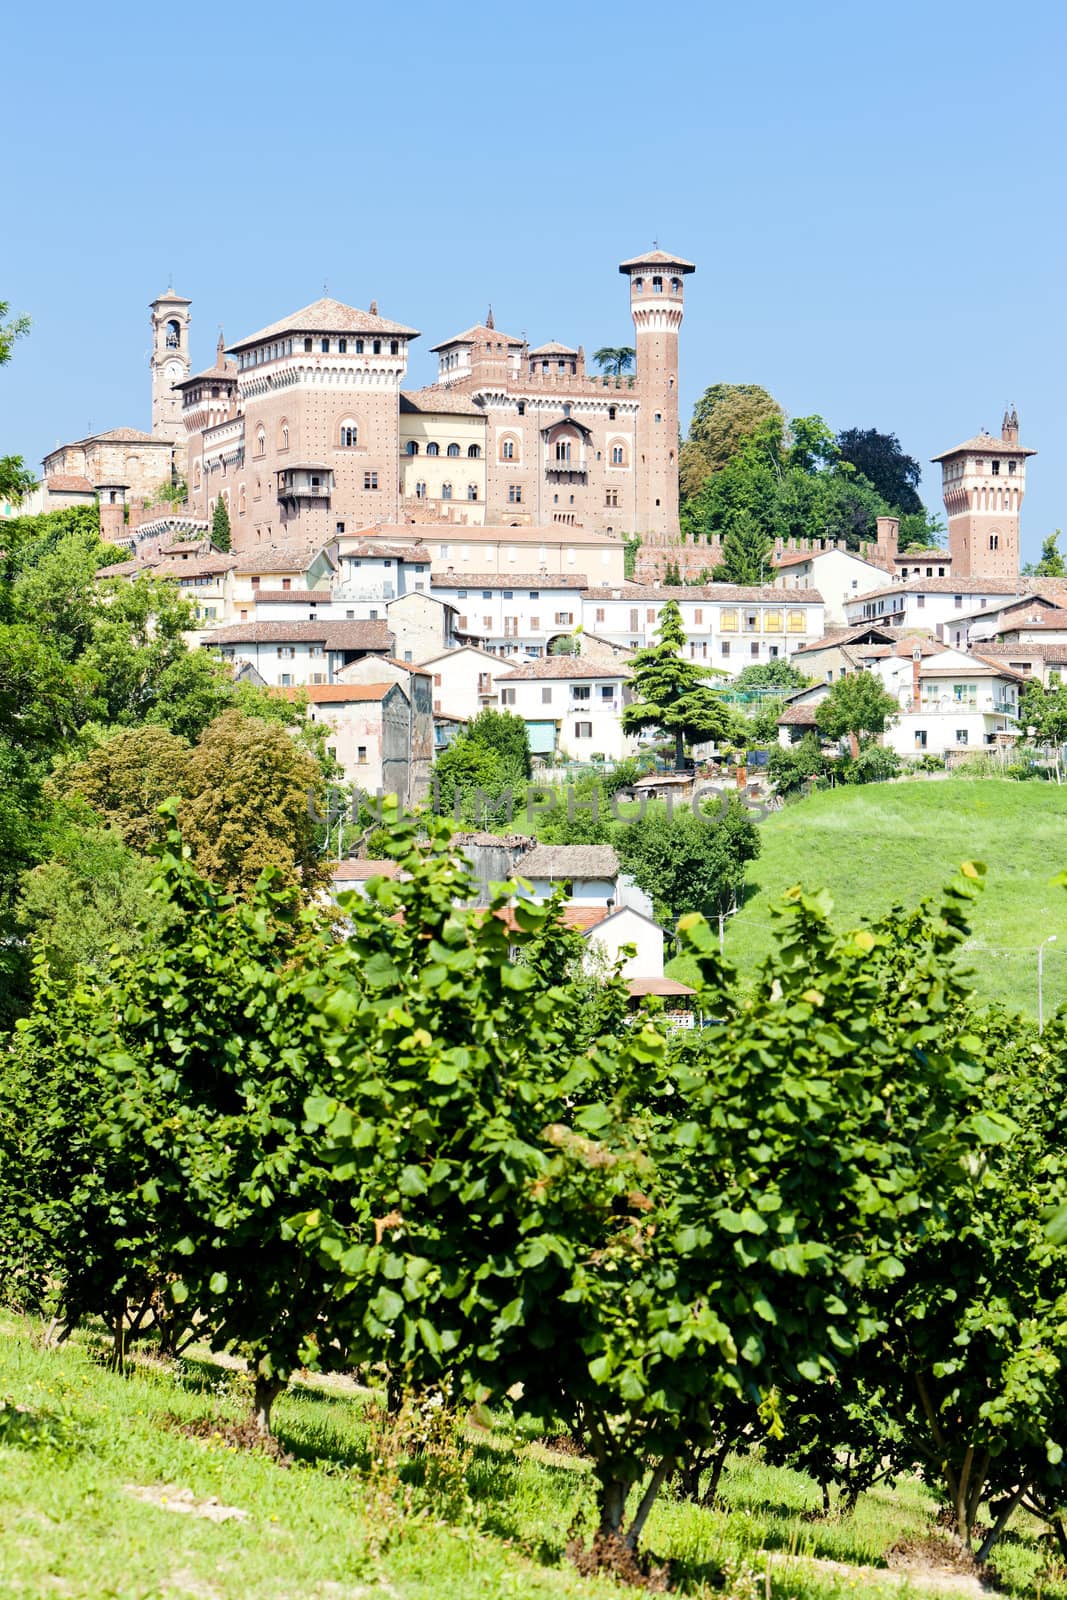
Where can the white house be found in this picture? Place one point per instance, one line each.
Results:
(515, 615)
(951, 703)
(288, 655)
(838, 575)
(463, 680)
(589, 873)
(726, 626)
(571, 706)
(506, 550)
(370, 569)
(625, 926)
(932, 604)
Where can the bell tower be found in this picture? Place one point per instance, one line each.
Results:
(657, 305)
(170, 364)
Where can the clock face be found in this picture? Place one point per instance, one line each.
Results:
(173, 372)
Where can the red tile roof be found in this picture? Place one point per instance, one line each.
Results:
(327, 316)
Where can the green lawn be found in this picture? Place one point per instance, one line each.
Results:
(93, 1471)
(891, 844)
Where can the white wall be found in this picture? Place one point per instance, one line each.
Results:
(626, 927)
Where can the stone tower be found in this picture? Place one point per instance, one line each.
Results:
(657, 306)
(170, 365)
(983, 482)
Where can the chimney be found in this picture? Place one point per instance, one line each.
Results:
(888, 541)
(916, 669)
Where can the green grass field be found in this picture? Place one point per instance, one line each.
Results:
(892, 844)
(94, 1473)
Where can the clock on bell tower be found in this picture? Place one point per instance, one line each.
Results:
(170, 363)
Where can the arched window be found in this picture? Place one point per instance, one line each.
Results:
(508, 451)
(563, 449)
(241, 500)
(676, 286)
(196, 476)
(472, 491)
(420, 491)
(412, 447)
(261, 440)
(349, 434)
(446, 491)
(994, 541)
(433, 448)
(618, 455)
(283, 435)
(174, 335)
(453, 450)
(612, 413)
(474, 451)
(639, 286)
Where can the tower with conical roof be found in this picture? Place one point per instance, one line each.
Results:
(657, 306)
(983, 481)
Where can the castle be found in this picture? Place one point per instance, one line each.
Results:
(306, 431)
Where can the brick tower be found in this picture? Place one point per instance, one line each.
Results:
(657, 306)
(983, 482)
(170, 365)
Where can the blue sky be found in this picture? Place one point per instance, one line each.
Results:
(873, 195)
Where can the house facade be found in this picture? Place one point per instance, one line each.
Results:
(572, 707)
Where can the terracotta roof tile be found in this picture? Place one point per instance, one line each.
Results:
(479, 334)
(568, 861)
(348, 635)
(68, 483)
(335, 694)
(984, 444)
(509, 580)
(657, 258)
(350, 871)
(554, 348)
(562, 667)
(326, 316)
(445, 401)
(707, 591)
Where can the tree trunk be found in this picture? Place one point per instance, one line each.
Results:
(612, 1503)
(655, 1483)
(118, 1338)
(268, 1388)
(1001, 1523)
(711, 1493)
(853, 746)
(1061, 1537)
(394, 1391)
(679, 751)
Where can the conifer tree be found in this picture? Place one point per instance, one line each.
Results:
(671, 693)
(220, 525)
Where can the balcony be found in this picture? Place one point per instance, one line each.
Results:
(312, 481)
(566, 472)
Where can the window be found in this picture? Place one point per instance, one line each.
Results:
(617, 455)
(361, 754)
(1011, 468)
(657, 285)
(487, 623)
(261, 441)
(376, 347)
(472, 491)
(420, 491)
(994, 541)
(698, 615)
(753, 650)
(957, 600)
(657, 416)
(564, 619)
(370, 480)
(342, 346)
(920, 738)
(612, 413)
(772, 622)
(287, 583)
(283, 436)
(453, 450)
(307, 344)
(286, 652)
(920, 601)
(581, 691)
(725, 647)
(535, 624)
(325, 347)
(437, 680)
(583, 730)
(522, 408)
(639, 285)
(474, 452)
(507, 697)
(412, 447)
(676, 286)
(607, 691)
(796, 622)
(611, 498)
(507, 450)
(961, 735)
(546, 695)
(751, 621)
(515, 494)
(433, 448)
(287, 680)
(446, 491)
(349, 435)
(563, 450)
(359, 347)
(994, 467)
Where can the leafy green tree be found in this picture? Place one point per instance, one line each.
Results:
(138, 634)
(464, 772)
(689, 863)
(781, 673)
(1045, 710)
(126, 777)
(615, 359)
(724, 418)
(505, 734)
(15, 480)
(1051, 563)
(220, 525)
(746, 553)
(921, 531)
(793, 766)
(857, 705)
(879, 457)
(670, 693)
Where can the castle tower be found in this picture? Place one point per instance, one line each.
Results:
(657, 306)
(983, 482)
(170, 364)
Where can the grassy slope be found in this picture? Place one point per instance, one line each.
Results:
(322, 1529)
(894, 843)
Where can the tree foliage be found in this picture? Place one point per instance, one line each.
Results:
(1051, 563)
(615, 359)
(220, 525)
(724, 418)
(856, 705)
(670, 692)
(690, 863)
(878, 457)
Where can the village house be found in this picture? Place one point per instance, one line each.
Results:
(726, 626)
(588, 873)
(938, 604)
(463, 681)
(838, 575)
(379, 733)
(572, 707)
(520, 616)
(298, 654)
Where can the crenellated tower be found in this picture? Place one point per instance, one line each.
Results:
(983, 482)
(657, 304)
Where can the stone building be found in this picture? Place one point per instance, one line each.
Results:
(983, 482)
